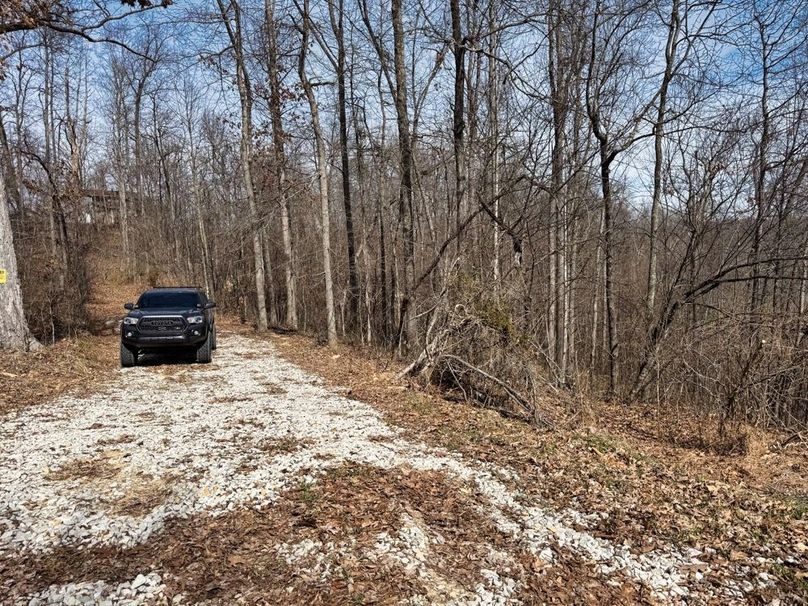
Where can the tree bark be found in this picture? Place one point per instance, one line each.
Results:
(606, 155)
(322, 174)
(557, 344)
(659, 134)
(406, 323)
(200, 218)
(608, 270)
(245, 97)
(120, 126)
(354, 322)
(12, 185)
(458, 115)
(279, 140)
(493, 117)
(14, 333)
(761, 164)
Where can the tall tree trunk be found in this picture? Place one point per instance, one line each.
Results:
(245, 96)
(322, 174)
(48, 123)
(606, 156)
(570, 319)
(659, 134)
(272, 300)
(123, 218)
(383, 270)
(200, 218)
(761, 166)
(121, 164)
(141, 196)
(608, 269)
(458, 115)
(367, 332)
(354, 322)
(557, 240)
(279, 140)
(802, 304)
(596, 297)
(203, 237)
(13, 189)
(493, 117)
(386, 296)
(14, 333)
(406, 322)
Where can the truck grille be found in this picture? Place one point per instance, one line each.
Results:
(162, 324)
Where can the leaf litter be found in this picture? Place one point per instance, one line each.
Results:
(352, 500)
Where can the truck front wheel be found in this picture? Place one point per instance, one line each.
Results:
(128, 356)
(203, 352)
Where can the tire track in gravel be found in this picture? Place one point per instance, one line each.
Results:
(173, 442)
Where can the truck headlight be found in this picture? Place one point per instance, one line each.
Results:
(196, 319)
(130, 321)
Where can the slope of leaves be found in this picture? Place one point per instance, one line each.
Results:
(619, 463)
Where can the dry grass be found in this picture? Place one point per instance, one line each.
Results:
(74, 366)
(77, 366)
(143, 493)
(85, 470)
(109, 286)
(286, 445)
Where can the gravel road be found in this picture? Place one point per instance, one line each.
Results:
(175, 441)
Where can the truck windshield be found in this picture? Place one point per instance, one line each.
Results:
(180, 300)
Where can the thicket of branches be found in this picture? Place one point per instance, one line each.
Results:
(597, 195)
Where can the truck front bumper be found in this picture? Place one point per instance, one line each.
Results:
(191, 336)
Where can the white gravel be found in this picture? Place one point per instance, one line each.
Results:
(201, 432)
(142, 590)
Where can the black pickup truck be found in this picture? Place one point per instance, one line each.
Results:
(172, 317)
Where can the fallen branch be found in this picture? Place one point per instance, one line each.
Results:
(796, 437)
(514, 395)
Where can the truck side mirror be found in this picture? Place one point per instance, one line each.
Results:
(129, 306)
(210, 305)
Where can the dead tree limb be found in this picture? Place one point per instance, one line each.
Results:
(512, 394)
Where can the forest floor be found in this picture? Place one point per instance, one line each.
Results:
(287, 473)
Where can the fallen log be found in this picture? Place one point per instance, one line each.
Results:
(530, 410)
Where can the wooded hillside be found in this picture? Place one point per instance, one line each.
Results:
(604, 197)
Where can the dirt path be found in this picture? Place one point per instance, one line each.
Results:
(248, 481)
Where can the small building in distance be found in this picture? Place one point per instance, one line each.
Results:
(99, 207)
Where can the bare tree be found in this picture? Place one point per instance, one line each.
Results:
(406, 323)
(439, 169)
(681, 39)
(279, 143)
(322, 173)
(337, 18)
(233, 25)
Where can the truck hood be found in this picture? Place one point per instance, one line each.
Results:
(165, 311)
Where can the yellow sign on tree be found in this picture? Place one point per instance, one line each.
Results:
(2, 276)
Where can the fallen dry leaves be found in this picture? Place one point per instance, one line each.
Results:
(75, 366)
(749, 512)
(247, 552)
(620, 461)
